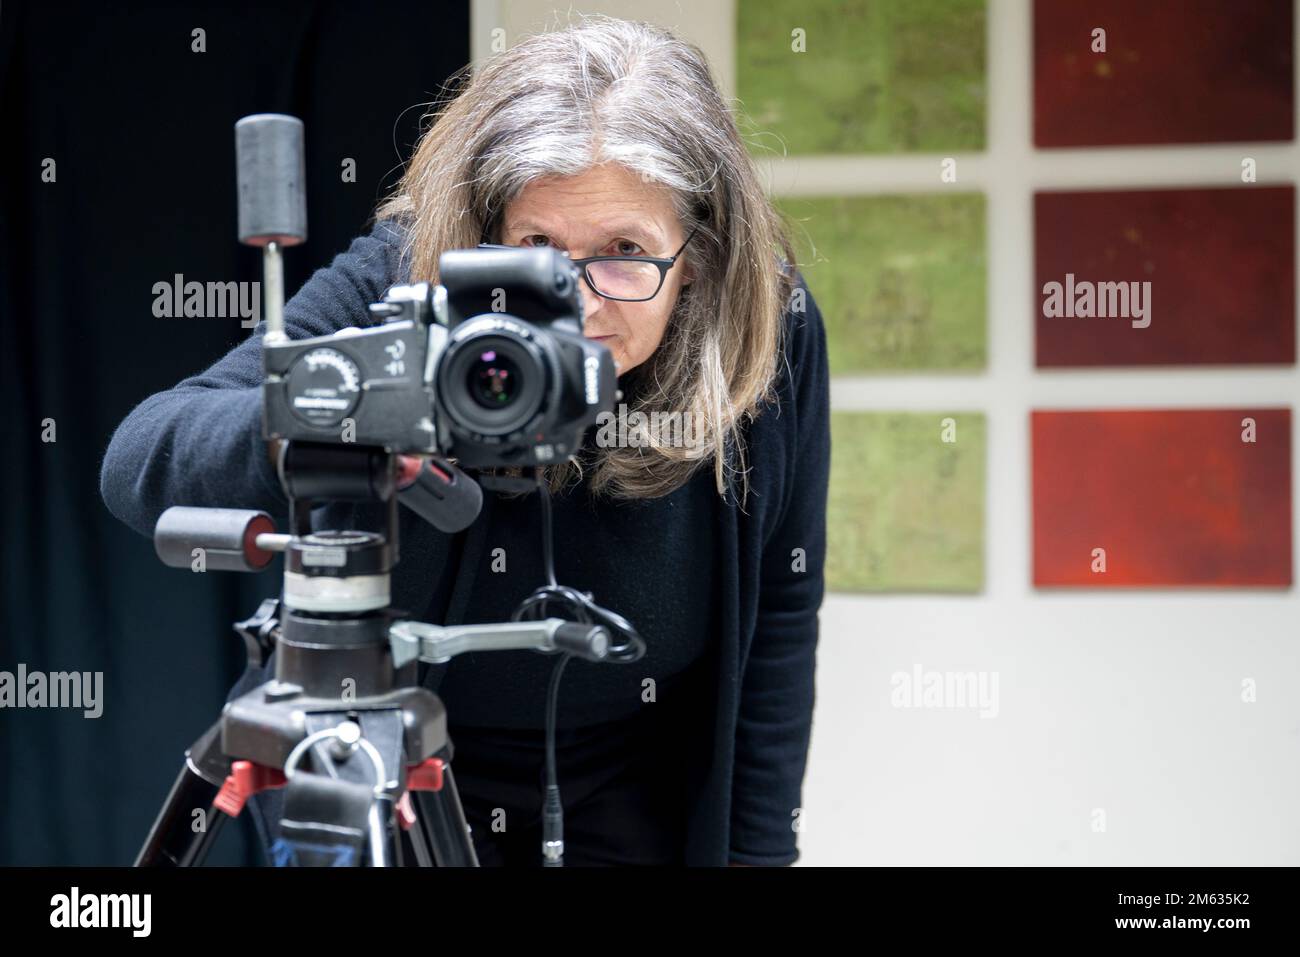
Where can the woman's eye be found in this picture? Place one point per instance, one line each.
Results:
(535, 241)
(625, 247)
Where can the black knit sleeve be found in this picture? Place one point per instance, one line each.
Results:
(777, 694)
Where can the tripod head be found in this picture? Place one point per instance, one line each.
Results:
(332, 577)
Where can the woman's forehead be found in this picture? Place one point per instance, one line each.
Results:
(575, 228)
(602, 202)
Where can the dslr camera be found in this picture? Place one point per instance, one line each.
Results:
(489, 368)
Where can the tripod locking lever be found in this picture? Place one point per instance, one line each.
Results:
(436, 644)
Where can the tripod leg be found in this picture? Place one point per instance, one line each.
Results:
(417, 838)
(441, 815)
(385, 842)
(179, 837)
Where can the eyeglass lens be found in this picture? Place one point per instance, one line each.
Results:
(624, 279)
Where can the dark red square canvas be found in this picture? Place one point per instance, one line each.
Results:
(1171, 497)
(1173, 71)
(1213, 271)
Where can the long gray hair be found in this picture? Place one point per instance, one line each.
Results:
(607, 90)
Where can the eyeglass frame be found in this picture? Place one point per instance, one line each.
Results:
(664, 264)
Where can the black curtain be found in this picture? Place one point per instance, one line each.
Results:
(139, 126)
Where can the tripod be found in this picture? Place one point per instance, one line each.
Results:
(361, 749)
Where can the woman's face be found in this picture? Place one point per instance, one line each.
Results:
(606, 211)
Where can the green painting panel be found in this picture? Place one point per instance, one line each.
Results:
(906, 509)
(875, 76)
(900, 280)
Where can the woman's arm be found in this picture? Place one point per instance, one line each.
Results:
(200, 442)
(777, 694)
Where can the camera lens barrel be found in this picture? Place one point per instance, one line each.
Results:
(494, 377)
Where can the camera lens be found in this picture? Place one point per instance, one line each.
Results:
(494, 380)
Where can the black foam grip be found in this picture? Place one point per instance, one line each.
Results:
(583, 640)
(443, 496)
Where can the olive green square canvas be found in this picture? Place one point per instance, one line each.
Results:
(862, 76)
(906, 506)
(900, 279)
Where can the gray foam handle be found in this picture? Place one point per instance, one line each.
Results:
(271, 170)
(227, 537)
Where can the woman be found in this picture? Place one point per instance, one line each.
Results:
(605, 139)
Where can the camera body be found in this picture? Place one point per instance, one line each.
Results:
(490, 368)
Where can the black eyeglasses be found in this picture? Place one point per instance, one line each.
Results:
(624, 278)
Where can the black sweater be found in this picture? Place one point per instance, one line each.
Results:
(736, 590)
(650, 561)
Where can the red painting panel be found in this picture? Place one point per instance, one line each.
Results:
(1170, 497)
(1197, 277)
(1173, 71)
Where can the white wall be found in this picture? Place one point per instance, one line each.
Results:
(710, 24)
(1126, 702)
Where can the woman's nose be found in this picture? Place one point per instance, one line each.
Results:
(591, 303)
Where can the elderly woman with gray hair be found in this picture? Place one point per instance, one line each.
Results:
(606, 139)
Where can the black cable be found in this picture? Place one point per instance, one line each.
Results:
(580, 607)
